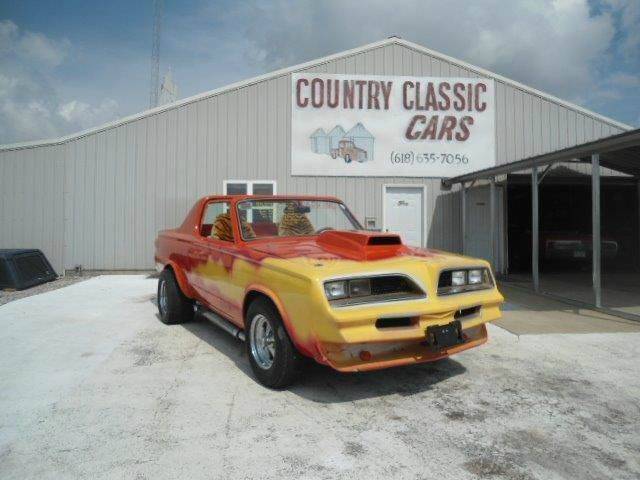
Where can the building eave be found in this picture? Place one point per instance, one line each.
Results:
(620, 141)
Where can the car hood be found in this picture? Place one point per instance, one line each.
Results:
(335, 253)
(337, 244)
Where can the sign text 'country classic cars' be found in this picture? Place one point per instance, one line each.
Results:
(361, 125)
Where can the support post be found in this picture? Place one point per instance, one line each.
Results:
(492, 203)
(535, 235)
(638, 244)
(595, 223)
(463, 200)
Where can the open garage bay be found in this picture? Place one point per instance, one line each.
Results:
(92, 385)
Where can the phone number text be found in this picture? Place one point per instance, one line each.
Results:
(428, 158)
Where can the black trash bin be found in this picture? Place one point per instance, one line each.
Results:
(24, 268)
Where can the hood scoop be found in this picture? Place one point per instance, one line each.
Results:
(361, 244)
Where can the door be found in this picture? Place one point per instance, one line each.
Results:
(478, 225)
(403, 213)
(212, 257)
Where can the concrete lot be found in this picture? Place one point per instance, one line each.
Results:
(620, 291)
(526, 313)
(92, 385)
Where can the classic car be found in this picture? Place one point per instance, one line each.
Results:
(297, 276)
(348, 151)
(575, 247)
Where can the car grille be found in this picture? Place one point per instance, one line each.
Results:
(392, 284)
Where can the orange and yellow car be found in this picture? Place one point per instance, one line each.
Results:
(297, 276)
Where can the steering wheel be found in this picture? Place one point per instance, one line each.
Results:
(324, 229)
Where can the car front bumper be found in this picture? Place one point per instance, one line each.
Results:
(351, 339)
(374, 356)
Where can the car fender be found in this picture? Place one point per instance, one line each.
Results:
(308, 348)
(181, 278)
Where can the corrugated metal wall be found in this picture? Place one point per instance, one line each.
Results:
(99, 200)
(31, 201)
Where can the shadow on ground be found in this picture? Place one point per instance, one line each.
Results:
(324, 385)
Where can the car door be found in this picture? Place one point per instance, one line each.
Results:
(214, 254)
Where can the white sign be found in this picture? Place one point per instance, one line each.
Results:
(367, 125)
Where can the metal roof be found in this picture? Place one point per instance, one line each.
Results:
(304, 66)
(618, 152)
(319, 132)
(358, 130)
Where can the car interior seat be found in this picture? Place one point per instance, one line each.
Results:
(222, 228)
(247, 230)
(294, 223)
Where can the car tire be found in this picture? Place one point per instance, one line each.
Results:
(173, 306)
(273, 357)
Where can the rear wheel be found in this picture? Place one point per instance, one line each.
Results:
(273, 357)
(173, 306)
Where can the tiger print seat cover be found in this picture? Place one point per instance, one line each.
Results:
(222, 228)
(294, 223)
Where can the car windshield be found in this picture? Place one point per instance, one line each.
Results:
(292, 218)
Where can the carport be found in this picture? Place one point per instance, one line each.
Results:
(578, 211)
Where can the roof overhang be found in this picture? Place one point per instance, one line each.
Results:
(618, 152)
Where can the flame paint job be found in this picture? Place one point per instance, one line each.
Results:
(291, 271)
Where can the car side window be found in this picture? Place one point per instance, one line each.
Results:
(216, 222)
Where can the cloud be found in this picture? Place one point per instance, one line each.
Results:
(8, 32)
(32, 46)
(85, 115)
(585, 51)
(30, 104)
(625, 80)
(38, 48)
(559, 46)
(628, 13)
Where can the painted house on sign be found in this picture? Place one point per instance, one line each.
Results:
(362, 138)
(335, 135)
(320, 142)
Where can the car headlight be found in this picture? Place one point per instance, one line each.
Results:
(475, 276)
(382, 288)
(360, 287)
(458, 278)
(336, 290)
(464, 280)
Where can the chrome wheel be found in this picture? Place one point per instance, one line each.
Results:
(163, 300)
(262, 341)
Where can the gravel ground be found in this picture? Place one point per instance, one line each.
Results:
(70, 278)
(92, 385)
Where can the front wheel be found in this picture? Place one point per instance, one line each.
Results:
(273, 357)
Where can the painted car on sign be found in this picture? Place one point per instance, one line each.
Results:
(297, 276)
(348, 151)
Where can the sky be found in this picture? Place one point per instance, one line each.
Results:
(70, 65)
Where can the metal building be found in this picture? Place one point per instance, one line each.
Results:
(97, 198)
